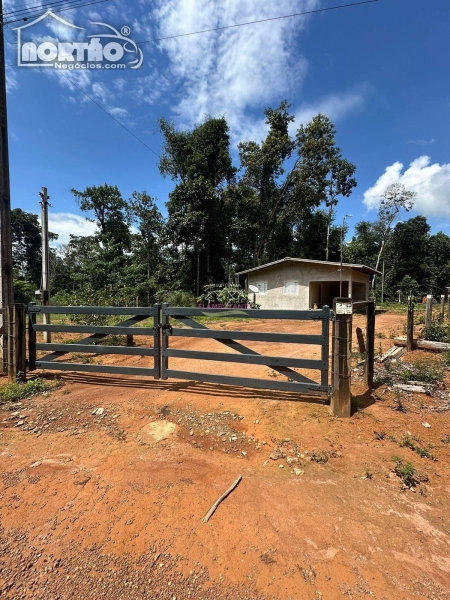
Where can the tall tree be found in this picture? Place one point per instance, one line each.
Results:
(26, 243)
(199, 162)
(323, 173)
(147, 243)
(110, 212)
(395, 198)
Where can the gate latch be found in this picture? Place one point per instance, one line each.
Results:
(165, 327)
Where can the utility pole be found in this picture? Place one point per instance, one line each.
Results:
(342, 249)
(382, 285)
(45, 281)
(6, 275)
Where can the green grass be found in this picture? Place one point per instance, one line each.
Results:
(12, 392)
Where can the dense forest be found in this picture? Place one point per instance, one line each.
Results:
(221, 218)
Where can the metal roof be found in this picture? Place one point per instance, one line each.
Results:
(361, 268)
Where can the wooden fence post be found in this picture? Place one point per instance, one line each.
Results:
(31, 339)
(341, 399)
(442, 306)
(17, 347)
(370, 344)
(410, 326)
(429, 311)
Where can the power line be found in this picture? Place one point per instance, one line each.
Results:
(56, 11)
(36, 7)
(308, 12)
(103, 109)
(107, 112)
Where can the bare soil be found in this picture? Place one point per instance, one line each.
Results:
(110, 505)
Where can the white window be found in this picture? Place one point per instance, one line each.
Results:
(262, 287)
(291, 287)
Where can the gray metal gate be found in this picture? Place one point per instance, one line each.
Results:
(296, 383)
(97, 333)
(162, 353)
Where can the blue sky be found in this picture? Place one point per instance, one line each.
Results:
(379, 71)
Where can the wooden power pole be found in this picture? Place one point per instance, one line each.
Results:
(6, 274)
(45, 282)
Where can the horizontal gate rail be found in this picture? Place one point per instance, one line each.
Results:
(255, 359)
(285, 338)
(59, 366)
(94, 349)
(251, 313)
(104, 330)
(249, 382)
(98, 332)
(297, 382)
(93, 310)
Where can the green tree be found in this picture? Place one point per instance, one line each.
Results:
(199, 162)
(26, 244)
(395, 198)
(322, 173)
(110, 212)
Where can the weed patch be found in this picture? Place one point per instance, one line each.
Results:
(405, 471)
(12, 392)
(422, 370)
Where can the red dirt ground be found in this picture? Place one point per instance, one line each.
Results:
(93, 507)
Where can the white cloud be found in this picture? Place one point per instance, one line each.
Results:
(66, 224)
(334, 106)
(422, 142)
(229, 72)
(430, 181)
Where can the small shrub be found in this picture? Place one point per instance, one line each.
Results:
(380, 435)
(422, 370)
(437, 332)
(446, 359)
(176, 298)
(114, 340)
(446, 439)
(405, 471)
(380, 335)
(409, 442)
(12, 392)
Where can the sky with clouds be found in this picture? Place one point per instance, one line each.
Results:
(378, 71)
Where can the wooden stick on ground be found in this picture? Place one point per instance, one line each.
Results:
(222, 497)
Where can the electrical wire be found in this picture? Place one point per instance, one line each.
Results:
(171, 37)
(36, 7)
(308, 12)
(107, 112)
(61, 10)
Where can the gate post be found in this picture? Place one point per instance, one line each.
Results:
(17, 359)
(31, 338)
(165, 322)
(157, 340)
(341, 398)
(410, 326)
(370, 343)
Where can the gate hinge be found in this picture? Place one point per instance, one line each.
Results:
(34, 309)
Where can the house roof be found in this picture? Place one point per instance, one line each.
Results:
(360, 268)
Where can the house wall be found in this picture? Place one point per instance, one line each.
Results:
(304, 273)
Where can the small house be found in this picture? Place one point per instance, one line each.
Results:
(300, 283)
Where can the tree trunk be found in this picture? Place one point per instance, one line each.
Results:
(378, 262)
